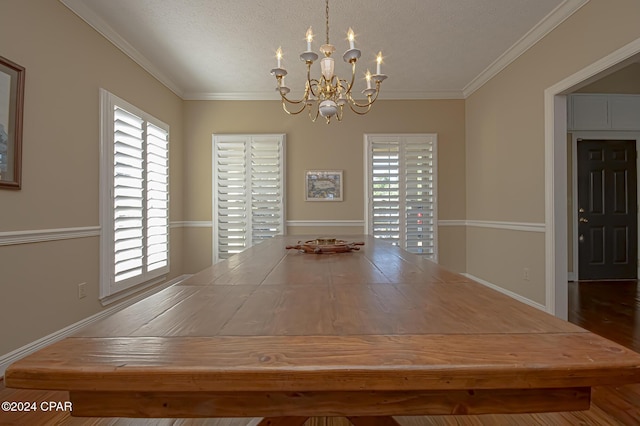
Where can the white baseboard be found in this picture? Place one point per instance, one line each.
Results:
(11, 357)
(507, 292)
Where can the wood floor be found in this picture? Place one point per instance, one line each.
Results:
(611, 309)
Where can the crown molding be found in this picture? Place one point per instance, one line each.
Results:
(544, 27)
(90, 17)
(271, 96)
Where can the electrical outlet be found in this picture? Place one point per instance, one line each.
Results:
(82, 290)
(526, 274)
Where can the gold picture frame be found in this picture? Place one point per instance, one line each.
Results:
(323, 185)
(11, 110)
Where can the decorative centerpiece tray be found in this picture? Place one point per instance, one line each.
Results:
(326, 246)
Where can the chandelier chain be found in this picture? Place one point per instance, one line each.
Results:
(327, 21)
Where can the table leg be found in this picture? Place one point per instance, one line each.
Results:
(283, 421)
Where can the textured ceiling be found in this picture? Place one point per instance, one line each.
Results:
(224, 49)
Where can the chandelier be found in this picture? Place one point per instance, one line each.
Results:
(328, 95)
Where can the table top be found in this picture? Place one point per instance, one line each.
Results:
(377, 319)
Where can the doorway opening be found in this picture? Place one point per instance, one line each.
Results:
(556, 211)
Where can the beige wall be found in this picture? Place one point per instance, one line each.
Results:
(317, 145)
(624, 81)
(499, 129)
(66, 63)
(505, 140)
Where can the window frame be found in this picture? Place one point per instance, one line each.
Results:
(368, 183)
(110, 290)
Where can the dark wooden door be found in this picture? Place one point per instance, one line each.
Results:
(607, 210)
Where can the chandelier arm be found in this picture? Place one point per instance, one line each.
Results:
(289, 101)
(354, 104)
(313, 83)
(313, 116)
(369, 101)
(304, 99)
(284, 107)
(353, 77)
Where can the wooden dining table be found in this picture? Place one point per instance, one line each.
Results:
(283, 335)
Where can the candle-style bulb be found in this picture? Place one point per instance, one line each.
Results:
(379, 61)
(309, 37)
(367, 77)
(279, 55)
(351, 37)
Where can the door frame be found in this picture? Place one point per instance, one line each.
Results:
(573, 214)
(555, 171)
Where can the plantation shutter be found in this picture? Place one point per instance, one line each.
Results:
(157, 197)
(401, 191)
(134, 196)
(128, 195)
(419, 196)
(248, 201)
(385, 196)
(231, 209)
(266, 188)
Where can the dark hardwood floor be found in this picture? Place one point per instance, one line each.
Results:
(608, 308)
(611, 309)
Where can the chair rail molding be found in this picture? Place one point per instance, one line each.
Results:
(511, 226)
(41, 235)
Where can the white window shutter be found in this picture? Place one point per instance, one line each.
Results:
(266, 188)
(248, 198)
(128, 188)
(418, 194)
(134, 196)
(157, 214)
(385, 195)
(230, 192)
(401, 191)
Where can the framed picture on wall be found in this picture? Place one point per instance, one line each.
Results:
(11, 106)
(323, 185)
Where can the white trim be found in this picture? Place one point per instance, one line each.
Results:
(192, 224)
(506, 292)
(295, 223)
(85, 13)
(123, 294)
(11, 357)
(546, 25)
(511, 226)
(452, 223)
(555, 135)
(273, 96)
(41, 235)
(542, 28)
